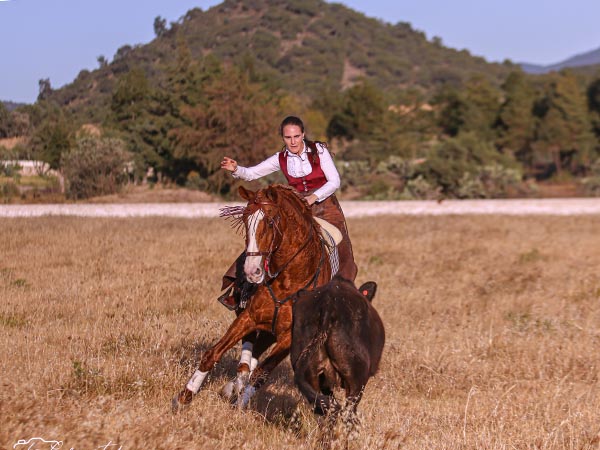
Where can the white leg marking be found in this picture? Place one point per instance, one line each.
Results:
(246, 357)
(196, 381)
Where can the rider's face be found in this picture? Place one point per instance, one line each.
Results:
(293, 138)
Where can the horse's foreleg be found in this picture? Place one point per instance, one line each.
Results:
(261, 373)
(239, 328)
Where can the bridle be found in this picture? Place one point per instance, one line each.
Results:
(273, 223)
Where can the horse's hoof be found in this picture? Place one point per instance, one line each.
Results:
(244, 399)
(181, 401)
(228, 392)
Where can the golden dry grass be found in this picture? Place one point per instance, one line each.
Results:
(493, 330)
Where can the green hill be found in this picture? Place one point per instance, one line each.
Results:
(405, 116)
(304, 46)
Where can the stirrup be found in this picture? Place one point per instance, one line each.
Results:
(227, 300)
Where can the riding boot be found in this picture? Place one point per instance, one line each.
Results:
(228, 300)
(238, 290)
(228, 283)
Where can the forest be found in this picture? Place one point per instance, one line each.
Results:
(405, 117)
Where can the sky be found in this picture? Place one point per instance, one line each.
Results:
(56, 39)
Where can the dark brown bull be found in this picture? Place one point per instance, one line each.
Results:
(337, 340)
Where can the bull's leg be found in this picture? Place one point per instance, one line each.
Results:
(261, 373)
(354, 385)
(240, 327)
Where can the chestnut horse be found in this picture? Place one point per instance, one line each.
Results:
(284, 254)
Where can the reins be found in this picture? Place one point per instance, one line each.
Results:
(313, 281)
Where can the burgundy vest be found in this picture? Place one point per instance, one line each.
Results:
(313, 180)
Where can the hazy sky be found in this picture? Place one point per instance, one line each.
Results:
(57, 38)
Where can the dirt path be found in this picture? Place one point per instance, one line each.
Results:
(572, 206)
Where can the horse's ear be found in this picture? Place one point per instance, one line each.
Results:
(246, 194)
(271, 194)
(368, 289)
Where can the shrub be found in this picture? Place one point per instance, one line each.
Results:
(352, 173)
(491, 181)
(591, 184)
(8, 191)
(96, 166)
(420, 189)
(195, 181)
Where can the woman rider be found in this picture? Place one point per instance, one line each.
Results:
(309, 168)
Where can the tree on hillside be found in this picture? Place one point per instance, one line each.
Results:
(593, 94)
(361, 114)
(564, 135)
(451, 106)
(130, 104)
(45, 89)
(160, 26)
(53, 138)
(239, 119)
(472, 108)
(4, 121)
(186, 77)
(516, 122)
(483, 102)
(102, 62)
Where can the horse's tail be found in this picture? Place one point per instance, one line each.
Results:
(317, 362)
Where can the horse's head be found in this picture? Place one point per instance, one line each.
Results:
(262, 221)
(279, 226)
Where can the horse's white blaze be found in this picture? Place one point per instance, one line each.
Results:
(253, 264)
(196, 381)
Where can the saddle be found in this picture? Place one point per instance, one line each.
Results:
(332, 237)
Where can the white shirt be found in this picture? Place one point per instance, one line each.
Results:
(298, 166)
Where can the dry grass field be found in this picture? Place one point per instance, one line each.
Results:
(493, 335)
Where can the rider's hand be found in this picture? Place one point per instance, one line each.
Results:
(229, 164)
(310, 199)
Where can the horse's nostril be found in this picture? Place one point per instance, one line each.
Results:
(258, 271)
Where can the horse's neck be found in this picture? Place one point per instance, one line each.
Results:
(302, 251)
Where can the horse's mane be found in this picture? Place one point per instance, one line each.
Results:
(294, 196)
(236, 213)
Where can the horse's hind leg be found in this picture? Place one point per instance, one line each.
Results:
(240, 327)
(253, 346)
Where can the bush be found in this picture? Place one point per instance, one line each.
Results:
(96, 166)
(591, 184)
(458, 165)
(492, 181)
(420, 189)
(195, 181)
(352, 173)
(8, 191)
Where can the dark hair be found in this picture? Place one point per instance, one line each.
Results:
(291, 120)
